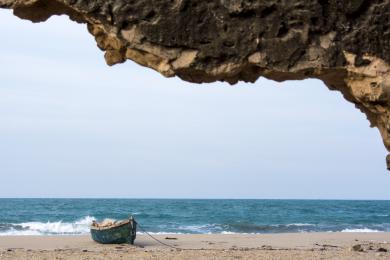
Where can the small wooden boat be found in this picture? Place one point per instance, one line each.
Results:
(114, 232)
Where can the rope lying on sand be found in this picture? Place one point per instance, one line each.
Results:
(156, 239)
(202, 249)
(170, 246)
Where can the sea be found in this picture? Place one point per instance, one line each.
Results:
(192, 216)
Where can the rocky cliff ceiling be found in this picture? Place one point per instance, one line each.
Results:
(345, 43)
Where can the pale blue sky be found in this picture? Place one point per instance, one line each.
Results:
(73, 127)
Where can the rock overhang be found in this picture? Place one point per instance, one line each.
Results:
(346, 44)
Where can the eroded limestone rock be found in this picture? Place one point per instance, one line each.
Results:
(345, 43)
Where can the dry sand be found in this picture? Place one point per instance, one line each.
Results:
(268, 246)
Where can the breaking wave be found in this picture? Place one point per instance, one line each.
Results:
(79, 227)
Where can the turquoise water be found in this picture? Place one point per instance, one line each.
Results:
(73, 216)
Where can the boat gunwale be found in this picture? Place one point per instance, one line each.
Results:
(122, 223)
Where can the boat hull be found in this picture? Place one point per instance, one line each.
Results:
(118, 234)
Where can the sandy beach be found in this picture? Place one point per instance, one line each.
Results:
(221, 246)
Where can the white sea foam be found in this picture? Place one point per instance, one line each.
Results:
(204, 229)
(50, 228)
(228, 233)
(300, 225)
(358, 230)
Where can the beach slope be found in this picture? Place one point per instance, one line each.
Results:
(216, 246)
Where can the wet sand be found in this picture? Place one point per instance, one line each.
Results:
(219, 246)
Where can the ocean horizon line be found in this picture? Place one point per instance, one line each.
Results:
(190, 198)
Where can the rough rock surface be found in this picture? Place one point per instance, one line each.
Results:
(345, 43)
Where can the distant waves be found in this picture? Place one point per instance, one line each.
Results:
(81, 227)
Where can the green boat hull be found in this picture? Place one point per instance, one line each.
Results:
(117, 234)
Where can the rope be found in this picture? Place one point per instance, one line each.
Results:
(170, 246)
(154, 238)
